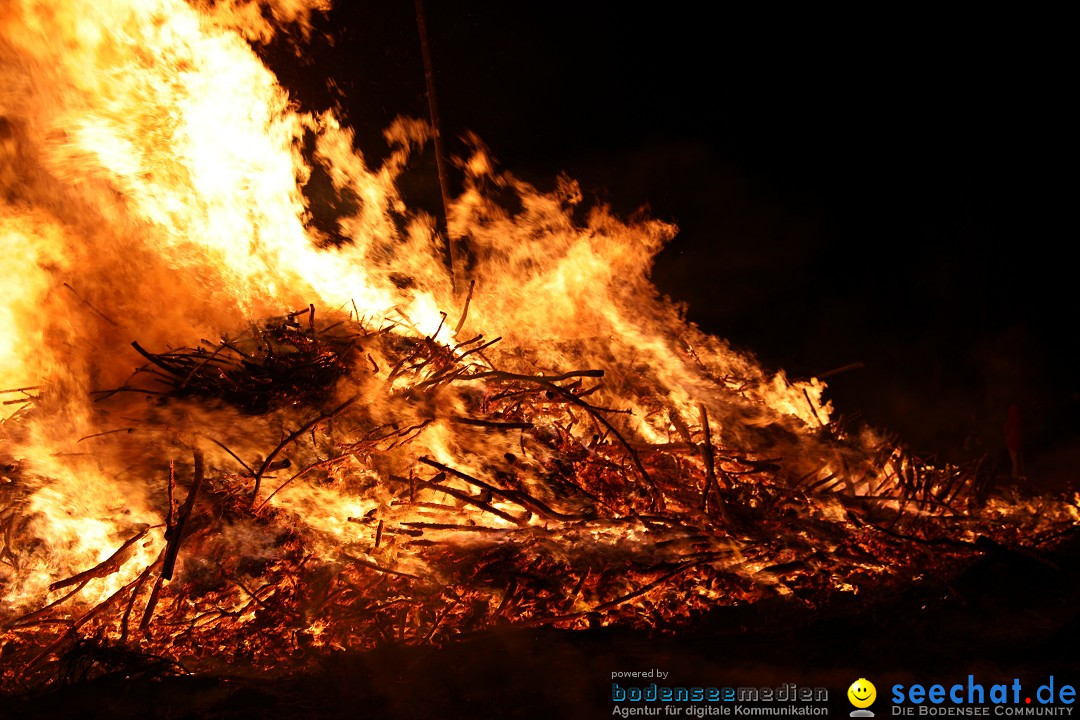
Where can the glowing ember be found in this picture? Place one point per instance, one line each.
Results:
(382, 460)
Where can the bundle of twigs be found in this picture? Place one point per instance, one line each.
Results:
(280, 363)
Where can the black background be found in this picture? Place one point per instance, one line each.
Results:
(878, 186)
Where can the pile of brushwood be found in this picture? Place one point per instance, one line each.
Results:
(347, 529)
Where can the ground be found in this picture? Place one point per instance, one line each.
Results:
(1010, 615)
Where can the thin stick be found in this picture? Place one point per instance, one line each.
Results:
(85, 302)
(465, 310)
(521, 498)
(292, 436)
(107, 567)
(154, 359)
(170, 519)
(454, 527)
(479, 348)
(465, 497)
(38, 613)
(226, 449)
(378, 568)
(177, 531)
(709, 460)
(200, 366)
(494, 424)
(680, 426)
(438, 620)
(106, 394)
(619, 600)
(148, 613)
(107, 432)
(508, 597)
(813, 408)
(500, 375)
(89, 615)
(836, 371)
(592, 410)
(454, 244)
(135, 596)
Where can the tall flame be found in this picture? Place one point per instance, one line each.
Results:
(151, 170)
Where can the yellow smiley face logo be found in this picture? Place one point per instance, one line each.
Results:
(862, 693)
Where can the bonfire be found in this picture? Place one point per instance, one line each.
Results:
(230, 443)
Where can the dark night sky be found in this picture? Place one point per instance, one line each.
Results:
(877, 187)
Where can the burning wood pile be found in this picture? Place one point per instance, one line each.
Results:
(568, 522)
(563, 450)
